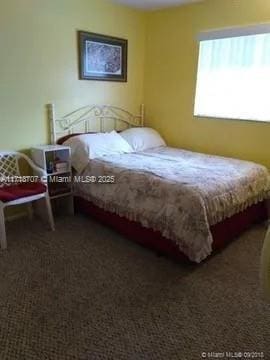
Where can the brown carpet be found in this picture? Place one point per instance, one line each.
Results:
(84, 292)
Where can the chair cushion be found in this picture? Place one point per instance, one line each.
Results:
(18, 191)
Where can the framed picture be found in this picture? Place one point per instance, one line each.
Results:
(102, 57)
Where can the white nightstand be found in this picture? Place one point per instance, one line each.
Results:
(55, 160)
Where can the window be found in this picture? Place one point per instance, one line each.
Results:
(233, 78)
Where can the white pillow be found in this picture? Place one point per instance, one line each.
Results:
(91, 146)
(141, 139)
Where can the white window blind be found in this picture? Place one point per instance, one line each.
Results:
(233, 79)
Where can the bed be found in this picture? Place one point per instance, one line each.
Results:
(177, 202)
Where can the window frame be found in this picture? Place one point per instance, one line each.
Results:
(226, 33)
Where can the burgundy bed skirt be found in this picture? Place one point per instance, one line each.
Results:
(223, 232)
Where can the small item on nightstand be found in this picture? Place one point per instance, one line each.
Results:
(50, 167)
(61, 166)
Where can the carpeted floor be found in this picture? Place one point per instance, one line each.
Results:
(84, 292)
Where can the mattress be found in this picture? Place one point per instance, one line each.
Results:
(179, 193)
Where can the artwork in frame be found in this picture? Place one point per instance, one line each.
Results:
(102, 57)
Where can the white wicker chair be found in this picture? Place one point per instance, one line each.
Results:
(9, 167)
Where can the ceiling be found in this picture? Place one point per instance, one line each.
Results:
(154, 4)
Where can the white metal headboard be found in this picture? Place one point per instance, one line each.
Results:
(82, 119)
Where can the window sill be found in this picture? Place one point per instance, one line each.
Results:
(230, 118)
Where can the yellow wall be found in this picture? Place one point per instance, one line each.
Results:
(170, 79)
(38, 63)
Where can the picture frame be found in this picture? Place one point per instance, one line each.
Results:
(102, 57)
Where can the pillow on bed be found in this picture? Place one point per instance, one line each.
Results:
(91, 146)
(141, 139)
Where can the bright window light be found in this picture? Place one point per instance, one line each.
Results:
(233, 79)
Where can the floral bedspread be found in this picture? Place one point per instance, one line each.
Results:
(177, 192)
